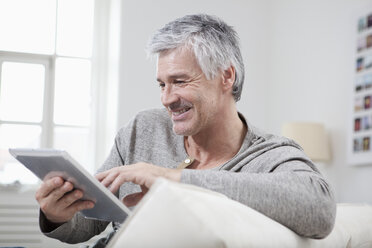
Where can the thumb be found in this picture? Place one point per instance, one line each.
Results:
(133, 199)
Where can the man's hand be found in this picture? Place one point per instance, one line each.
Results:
(58, 201)
(143, 174)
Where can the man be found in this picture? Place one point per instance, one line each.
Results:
(201, 139)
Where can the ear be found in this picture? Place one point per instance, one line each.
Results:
(228, 78)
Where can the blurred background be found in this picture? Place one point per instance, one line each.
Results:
(72, 72)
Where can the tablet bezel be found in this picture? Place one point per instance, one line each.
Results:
(107, 206)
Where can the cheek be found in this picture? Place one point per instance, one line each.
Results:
(200, 97)
(162, 98)
(209, 99)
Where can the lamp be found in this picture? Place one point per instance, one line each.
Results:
(311, 137)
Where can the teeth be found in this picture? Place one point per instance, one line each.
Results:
(180, 112)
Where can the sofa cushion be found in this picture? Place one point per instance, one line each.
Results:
(356, 219)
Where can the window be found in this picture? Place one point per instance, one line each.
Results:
(45, 80)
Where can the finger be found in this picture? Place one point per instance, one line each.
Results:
(69, 199)
(144, 189)
(119, 180)
(62, 210)
(109, 179)
(59, 192)
(47, 187)
(133, 199)
(64, 215)
(80, 205)
(100, 176)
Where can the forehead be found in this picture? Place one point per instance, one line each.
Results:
(177, 61)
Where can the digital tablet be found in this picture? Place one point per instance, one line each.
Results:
(47, 163)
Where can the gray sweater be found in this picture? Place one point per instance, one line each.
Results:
(269, 173)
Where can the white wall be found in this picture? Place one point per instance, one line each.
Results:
(311, 76)
(299, 62)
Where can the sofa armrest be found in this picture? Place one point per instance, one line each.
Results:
(181, 215)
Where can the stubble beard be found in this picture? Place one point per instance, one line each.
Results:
(183, 131)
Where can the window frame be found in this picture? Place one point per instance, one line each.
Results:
(104, 61)
(46, 123)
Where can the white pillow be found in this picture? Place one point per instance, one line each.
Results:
(180, 215)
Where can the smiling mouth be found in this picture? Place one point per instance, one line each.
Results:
(180, 112)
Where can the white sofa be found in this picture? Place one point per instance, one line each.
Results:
(179, 215)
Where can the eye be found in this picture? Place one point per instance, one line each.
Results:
(162, 85)
(179, 82)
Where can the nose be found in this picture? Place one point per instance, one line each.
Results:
(168, 95)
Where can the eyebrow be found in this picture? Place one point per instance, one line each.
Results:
(175, 76)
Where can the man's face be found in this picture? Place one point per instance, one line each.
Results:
(191, 100)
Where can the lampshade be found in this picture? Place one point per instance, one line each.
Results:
(311, 137)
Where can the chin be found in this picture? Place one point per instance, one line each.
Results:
(180, 132)
(184, 131)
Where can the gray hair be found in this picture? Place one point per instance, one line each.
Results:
(214, 43)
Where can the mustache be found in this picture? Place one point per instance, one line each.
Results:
(179, 105)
